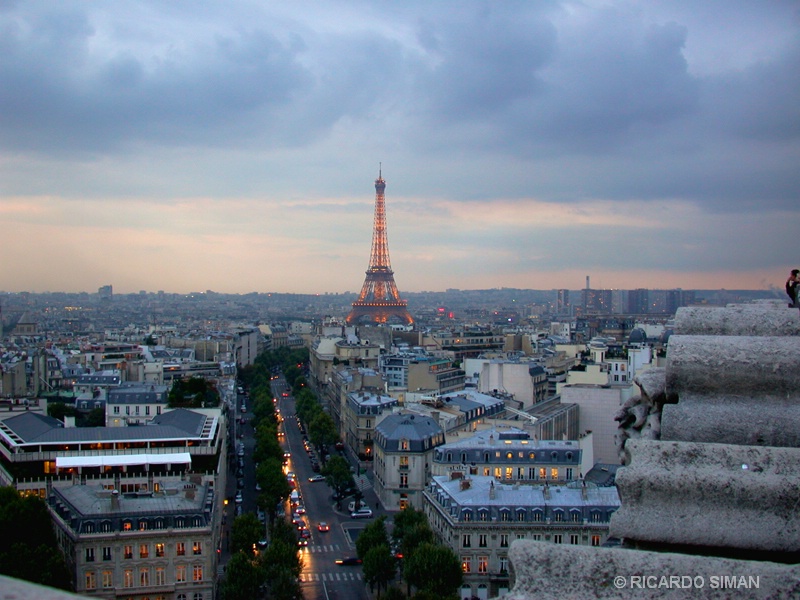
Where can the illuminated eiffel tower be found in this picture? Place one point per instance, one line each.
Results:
(379, 299)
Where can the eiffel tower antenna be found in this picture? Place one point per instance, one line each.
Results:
(379, 299)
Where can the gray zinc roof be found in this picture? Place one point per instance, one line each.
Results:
(421, 433)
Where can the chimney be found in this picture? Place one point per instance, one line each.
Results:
(584, 492)
(491, 490)
(465, 483)
(114, 499)
(546, 491)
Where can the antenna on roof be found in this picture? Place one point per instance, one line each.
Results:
(380, 169)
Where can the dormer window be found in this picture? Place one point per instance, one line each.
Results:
(404, 445)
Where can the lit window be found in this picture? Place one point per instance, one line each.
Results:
(554, 473)
(466, 564)
(144, 576)
(483, 564)
(143, 551)
(108, 579)
(180, 573)
(180, 549)
(197, 573)
(91, 581)
(128, 552)
(127, 578)
(160, 550)
(197, 548)
(595, 540)
(161, 576)
(127, 526)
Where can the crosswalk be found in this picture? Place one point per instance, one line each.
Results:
(322, 548)
(338, 576)
(363, 483)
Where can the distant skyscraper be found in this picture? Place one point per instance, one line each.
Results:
(106, 292)
(562, 301)
(379, 299)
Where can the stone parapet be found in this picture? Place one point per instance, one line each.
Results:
(545, 571)
(763, 318)
(742, 498)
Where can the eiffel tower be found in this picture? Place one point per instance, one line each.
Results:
(379, 299)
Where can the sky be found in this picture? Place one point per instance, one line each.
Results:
(233, 146)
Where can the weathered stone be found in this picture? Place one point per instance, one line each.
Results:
(545, 571)
(738, 365)
(767, 318)
(710, 495)
(653, 383)
(764, 420)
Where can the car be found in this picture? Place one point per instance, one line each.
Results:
(350, 561)
(323, 526)
(297, 520)
(290, 475)
(258, 487)
(314, 478)
(302, 542)
(239, 510)
(305, 533)
(240, 483)
(361, 513)
(238, 499)
(315, 467)
(300, 510)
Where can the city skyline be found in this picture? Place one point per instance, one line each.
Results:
(524, 145)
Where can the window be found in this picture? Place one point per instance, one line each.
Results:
(509, 472)
(142, 525)
(504, 540)
(504, 565)
(137, 410)
(509, 455)
(127, 526)
(161, 576)
(197, 573)
(537, 516)
(483, 515)
(89, 554)
(127, 578)
(160, 550)
(143, 551)
(107, 553)
(404, 445)
(531, 472)
(466, 515)
(116, 410)
(403, 480)
(574, 539)
(181, 597)
(536, 537)
(486, 471)
(158, 523)
(197, 548)
(158, 410)
(466, 540)
(557, 538)
(482, 540)
(558, 516)
(144, 576)
(504, 516)
(568, 475)
(554, 473)
(128, 552)
(91, 581)
(531, 455)
(520, 536)
(147, 410)
(127, 410)
(466, 564)
(105, 526)
(483, 564)
(197, 596)
(595, 540)
(180, 549)
(180, 573)
(542, 473)
(576, 516)
(596, 517)
(108, 579)
(403, 462)
(520, 515)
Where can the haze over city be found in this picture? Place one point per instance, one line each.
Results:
(233, 146)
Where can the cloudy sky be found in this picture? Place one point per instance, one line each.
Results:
(233, 145)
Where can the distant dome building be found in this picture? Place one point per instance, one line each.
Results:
(637, 336)
(404, 445)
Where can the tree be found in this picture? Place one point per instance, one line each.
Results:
(59, 410)
(322, 432)
(412, 539)
(245, 532)
(394, 593)
(405, 521)
(282, 567)
(372, 536)
(95, 418)
(28, 546)
(274, 487)
(337, 474)
(243, 577)
(434, 569)
(379, 566)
